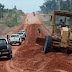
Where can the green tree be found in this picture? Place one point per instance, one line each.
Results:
(1, 10)
(43, 9)
(49, 6)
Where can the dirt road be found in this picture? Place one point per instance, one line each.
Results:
(29, 57)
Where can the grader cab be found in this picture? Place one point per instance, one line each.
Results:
(61, 38)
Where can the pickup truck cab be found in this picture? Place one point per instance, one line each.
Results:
(5, 48)
(15, 38)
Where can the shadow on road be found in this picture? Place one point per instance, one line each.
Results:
(4, 59)
(15, 45)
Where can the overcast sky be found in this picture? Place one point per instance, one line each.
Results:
(26, 6)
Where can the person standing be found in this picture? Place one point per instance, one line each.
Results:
(39, 30)
(7, 36)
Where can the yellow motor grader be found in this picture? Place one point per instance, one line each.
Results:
(61, 38)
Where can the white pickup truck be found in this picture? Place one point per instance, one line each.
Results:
(22, 35)
(24, 32)
(15, 38)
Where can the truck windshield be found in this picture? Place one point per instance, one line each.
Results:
(2, 41)
(14, 35)
(19, 33)
(22, 31)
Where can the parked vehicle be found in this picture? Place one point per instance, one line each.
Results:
(22, 35)
(5, 48)
(23, 31)
(15, 38)
(34, 13)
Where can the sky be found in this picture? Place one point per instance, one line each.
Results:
(27, 6)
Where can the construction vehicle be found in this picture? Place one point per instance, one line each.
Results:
(61, 37)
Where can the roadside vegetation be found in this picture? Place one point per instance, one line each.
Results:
(47, 23)
(50, 5)
(10, 17)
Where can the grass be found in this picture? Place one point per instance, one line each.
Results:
(10, 23)
(2, 22)
(48, 23)
(11, 17)
(15, 21)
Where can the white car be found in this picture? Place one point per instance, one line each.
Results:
(22, 35)
(15, 38)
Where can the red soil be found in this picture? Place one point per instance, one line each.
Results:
(29, 57)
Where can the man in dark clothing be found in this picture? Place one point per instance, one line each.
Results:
(39, 30)
(61, 23)
(7, 36)
(34, 13)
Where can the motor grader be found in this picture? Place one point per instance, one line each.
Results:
(61, 38)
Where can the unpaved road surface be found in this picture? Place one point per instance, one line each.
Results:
(29, 57)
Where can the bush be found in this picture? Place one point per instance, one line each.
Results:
(11, 23)
(47, 23)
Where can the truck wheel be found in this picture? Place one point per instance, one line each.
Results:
(10, 55)
(10, 43)
(20, 43)
(48, 44)
(24, 39)
(25, 35)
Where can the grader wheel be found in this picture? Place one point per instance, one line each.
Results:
(48, 44)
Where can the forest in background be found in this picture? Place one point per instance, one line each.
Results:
(50, 5)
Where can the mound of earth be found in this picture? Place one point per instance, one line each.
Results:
(29, 49)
